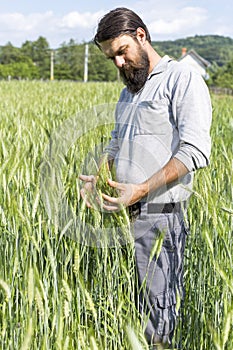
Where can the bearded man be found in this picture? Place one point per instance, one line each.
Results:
(161, 137)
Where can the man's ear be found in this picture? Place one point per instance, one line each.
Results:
(141, 35)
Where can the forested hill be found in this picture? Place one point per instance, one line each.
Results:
(214, 48)
(33, 59)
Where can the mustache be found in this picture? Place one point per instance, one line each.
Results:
(131, 66)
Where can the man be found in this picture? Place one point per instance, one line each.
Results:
(161, 137)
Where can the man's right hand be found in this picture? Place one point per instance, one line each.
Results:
(88, 192)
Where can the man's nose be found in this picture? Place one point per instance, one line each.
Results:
(119, 61)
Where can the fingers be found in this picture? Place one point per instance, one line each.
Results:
(107, 203)
(88, 190)
(110, 208)
(87, 178)
(110, 199)
(84, 197)
(115, 184)
(112, 183)
(112, 204)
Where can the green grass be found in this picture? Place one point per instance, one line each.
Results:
(57, 292)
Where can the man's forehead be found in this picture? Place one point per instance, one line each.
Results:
(111, 46)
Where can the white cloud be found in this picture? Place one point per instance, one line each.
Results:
(176, 22)
(17, 27)
(166, 20)
(83, 20)
(20, 22)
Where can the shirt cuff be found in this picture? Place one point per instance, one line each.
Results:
(191, 157)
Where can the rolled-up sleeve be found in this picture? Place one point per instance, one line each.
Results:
(192, 112)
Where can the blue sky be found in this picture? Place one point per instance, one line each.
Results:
(59, 21)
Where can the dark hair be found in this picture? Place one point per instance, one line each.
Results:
(119, 21)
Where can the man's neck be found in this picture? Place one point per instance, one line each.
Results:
(154, 57)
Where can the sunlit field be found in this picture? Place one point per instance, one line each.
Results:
(60, 290)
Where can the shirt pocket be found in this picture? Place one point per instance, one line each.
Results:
(152, 117)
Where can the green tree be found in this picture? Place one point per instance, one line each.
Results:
(19, 70)
(39, 52)
(99, 68)
(28, 49)
(6, 71)
(62, 71)
(70, 61)
(224, 76)
(11, 54)
(214, 48)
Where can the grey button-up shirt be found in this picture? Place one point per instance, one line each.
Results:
(169, 117)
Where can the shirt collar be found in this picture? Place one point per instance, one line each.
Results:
(161, 66)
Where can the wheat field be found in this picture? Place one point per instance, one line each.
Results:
(60, 291)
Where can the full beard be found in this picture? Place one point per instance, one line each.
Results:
(134, 75)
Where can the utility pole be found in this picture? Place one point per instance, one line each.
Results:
(52, 65)
(85, 79)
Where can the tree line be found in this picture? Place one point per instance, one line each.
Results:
(33, 59)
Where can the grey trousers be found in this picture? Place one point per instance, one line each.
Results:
(159, 249)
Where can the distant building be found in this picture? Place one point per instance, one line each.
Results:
(195, 60)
